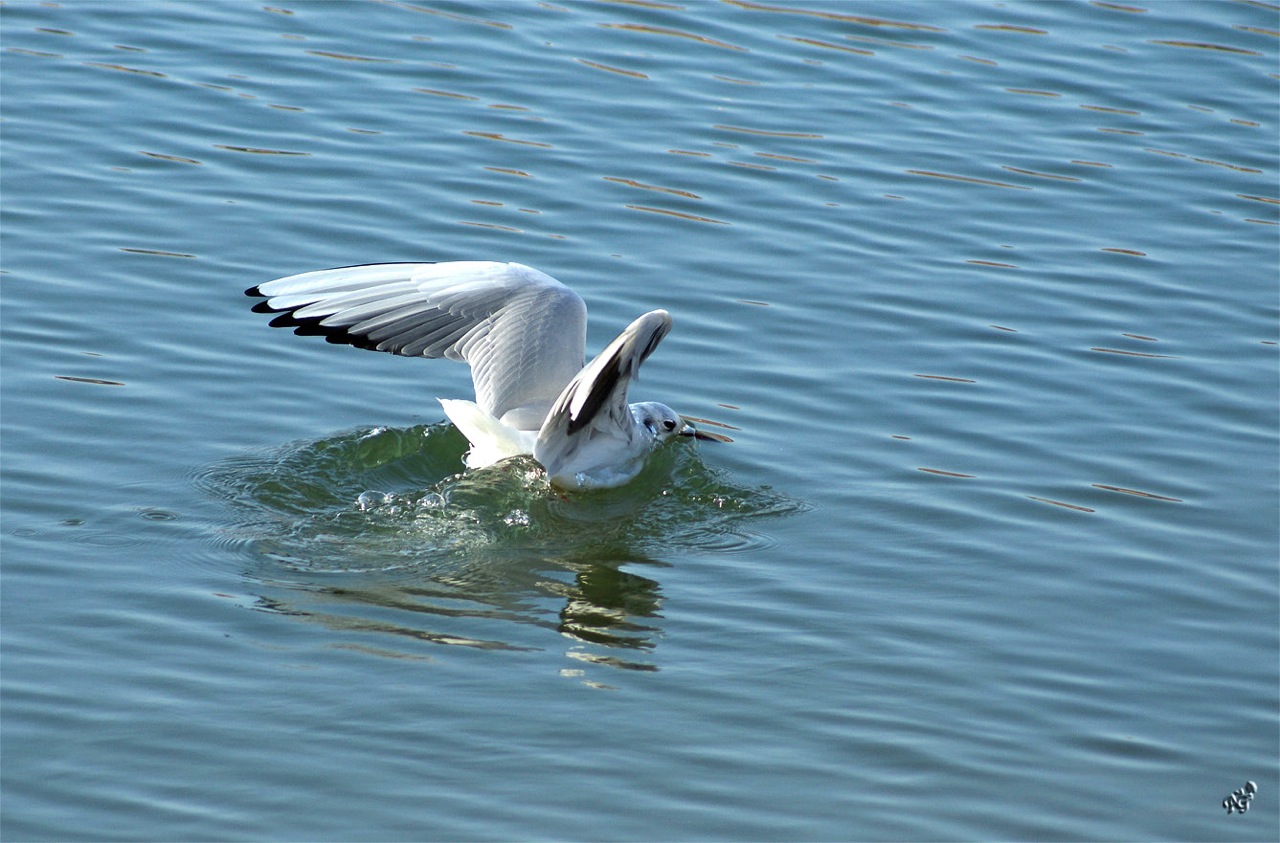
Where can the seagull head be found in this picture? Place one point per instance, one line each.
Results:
(663, 423)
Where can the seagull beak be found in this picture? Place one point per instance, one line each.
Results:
(690, 430)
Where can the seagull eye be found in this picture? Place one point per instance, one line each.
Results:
(669, 424)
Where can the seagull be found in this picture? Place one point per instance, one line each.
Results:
(524, 335)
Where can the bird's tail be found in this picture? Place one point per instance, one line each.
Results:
(490, 439)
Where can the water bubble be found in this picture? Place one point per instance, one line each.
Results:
(370, 500)
(1250, 788)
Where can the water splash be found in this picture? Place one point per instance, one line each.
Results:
(381, 531)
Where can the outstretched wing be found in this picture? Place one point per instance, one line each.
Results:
(595, 401)
(522, 332)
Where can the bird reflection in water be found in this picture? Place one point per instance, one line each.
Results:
(599, 604)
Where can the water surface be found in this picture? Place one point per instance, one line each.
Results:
(985, 295)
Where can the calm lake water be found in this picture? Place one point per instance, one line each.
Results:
(984, 293)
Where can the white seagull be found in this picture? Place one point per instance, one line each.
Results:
(523, 334)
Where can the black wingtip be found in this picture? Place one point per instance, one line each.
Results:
(285, 318)
(314, 326)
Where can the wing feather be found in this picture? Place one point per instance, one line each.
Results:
(522, 332)
(595, 401)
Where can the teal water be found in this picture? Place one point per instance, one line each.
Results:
(985, 295)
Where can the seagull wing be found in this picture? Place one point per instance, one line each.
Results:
(594, 404)
(522, 332)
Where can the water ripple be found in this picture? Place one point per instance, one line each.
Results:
(384, 517)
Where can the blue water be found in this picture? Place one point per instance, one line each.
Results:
(985, 294)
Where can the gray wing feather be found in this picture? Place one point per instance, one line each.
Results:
(595, 401)
(522, 331)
